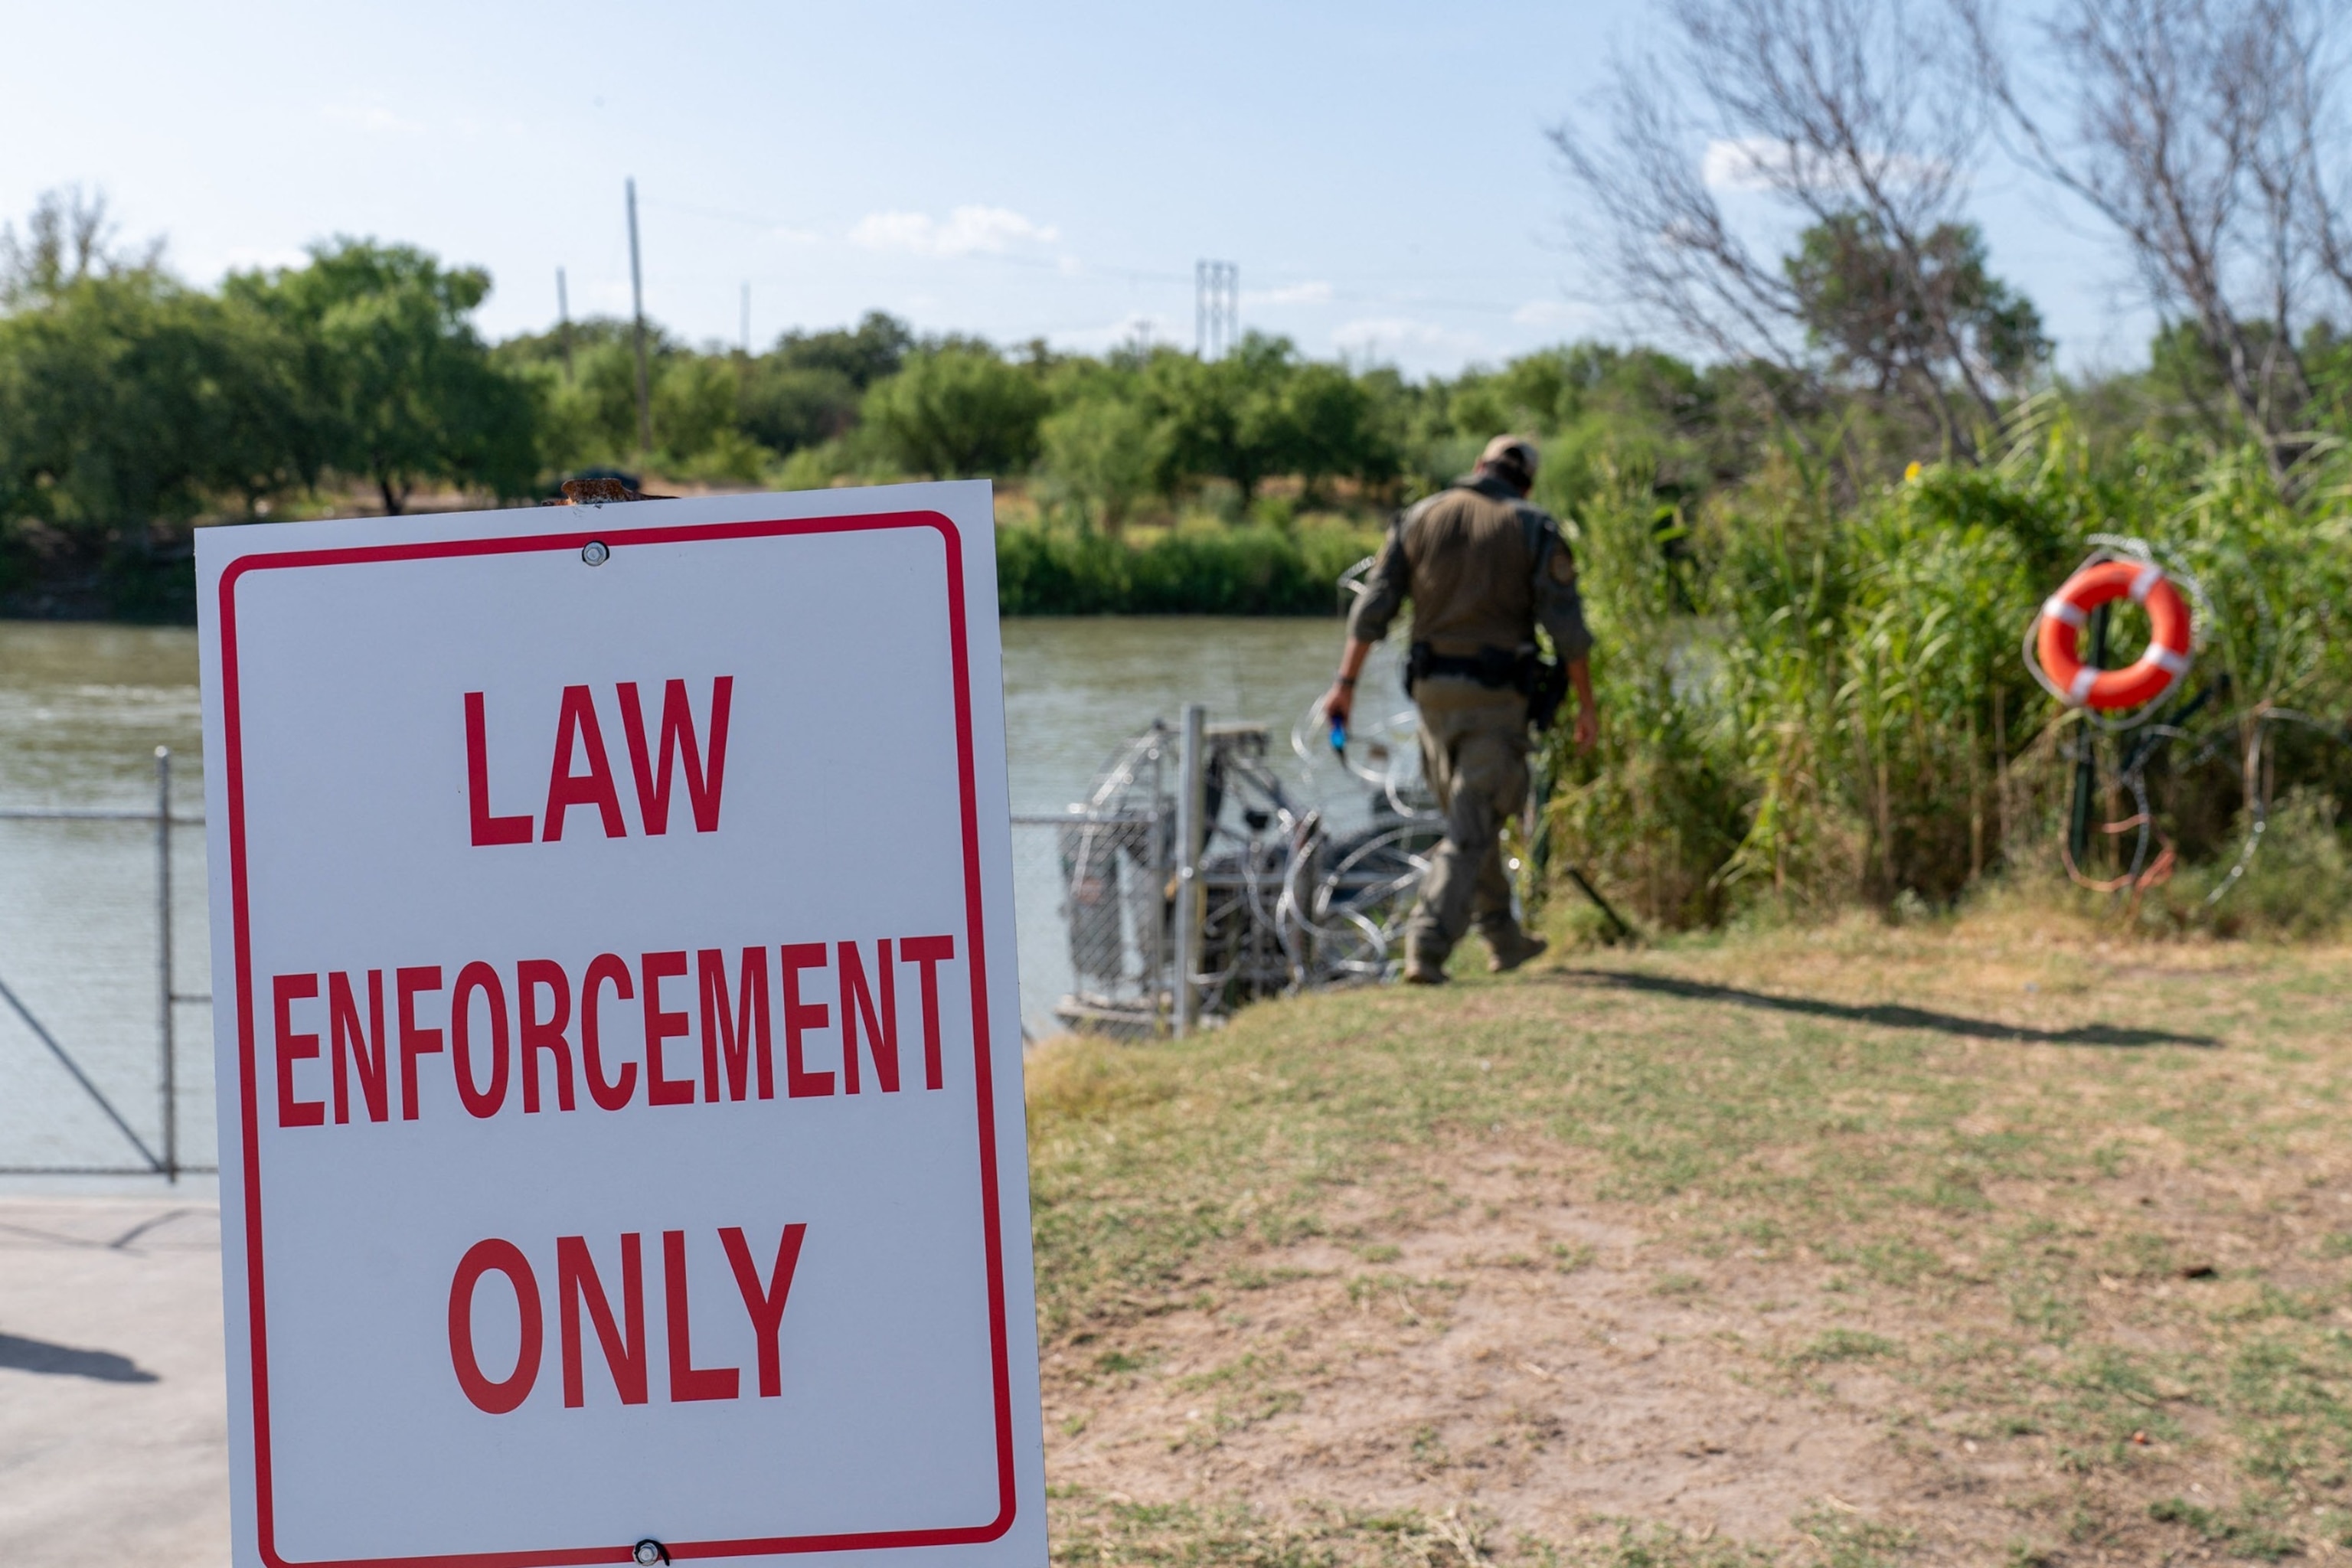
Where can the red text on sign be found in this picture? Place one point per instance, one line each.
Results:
(580, 773)
(706, 1027)
(585, 1303)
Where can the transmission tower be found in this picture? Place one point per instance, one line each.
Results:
(1216, 307)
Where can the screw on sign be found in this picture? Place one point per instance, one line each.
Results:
(623, 1129)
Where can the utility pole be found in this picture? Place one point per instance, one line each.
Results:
(1199, 310)
(1216, 307)
(637, 296)
(2086, 761)
(1192, 806)
(563, 319)
(743, 360)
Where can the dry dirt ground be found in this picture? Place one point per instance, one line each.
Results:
(1545, 1370)
(1475, 1351)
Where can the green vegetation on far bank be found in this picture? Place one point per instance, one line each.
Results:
(1256, 570)
(1251, 571)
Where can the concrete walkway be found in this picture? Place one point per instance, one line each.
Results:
(114, 1435)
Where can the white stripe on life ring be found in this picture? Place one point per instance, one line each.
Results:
(2080, 691)
(2073, 615)
(2169, 660)
(2144, 584)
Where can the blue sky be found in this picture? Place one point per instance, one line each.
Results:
(1379, 171)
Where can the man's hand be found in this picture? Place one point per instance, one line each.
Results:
(1341, 701)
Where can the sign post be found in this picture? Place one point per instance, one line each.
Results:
(620, 1089)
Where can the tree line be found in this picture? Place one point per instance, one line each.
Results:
(132, 402)
(1872, 333)
(1107, 434)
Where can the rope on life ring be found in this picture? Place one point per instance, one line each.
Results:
(2056, 636)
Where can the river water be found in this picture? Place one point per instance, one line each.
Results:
(83, 708)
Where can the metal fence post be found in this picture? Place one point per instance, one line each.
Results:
(2086, 765)
(1191, 799)
(170, 1091)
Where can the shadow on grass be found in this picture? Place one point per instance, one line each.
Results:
(1885, 1015)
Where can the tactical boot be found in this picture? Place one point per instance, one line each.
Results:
(1512, 947)
(1423, 965)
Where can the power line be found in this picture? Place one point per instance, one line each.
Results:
(718, 213)
(563, 319)
(1216, 291)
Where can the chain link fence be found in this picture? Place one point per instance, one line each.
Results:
(106, 1061)
(1094, 894)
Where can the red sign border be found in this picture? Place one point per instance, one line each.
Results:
(618, 539)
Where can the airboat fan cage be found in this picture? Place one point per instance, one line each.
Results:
(1287, 897)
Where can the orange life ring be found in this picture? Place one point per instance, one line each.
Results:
(2168, 642)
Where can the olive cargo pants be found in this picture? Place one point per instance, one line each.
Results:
(1474, 751)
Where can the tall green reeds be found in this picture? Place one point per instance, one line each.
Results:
(1812, 700)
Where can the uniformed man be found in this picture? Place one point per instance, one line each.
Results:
(1484, 569)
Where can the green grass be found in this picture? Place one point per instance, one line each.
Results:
(2104, 1207)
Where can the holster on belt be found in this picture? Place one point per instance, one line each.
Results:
(1542, 681)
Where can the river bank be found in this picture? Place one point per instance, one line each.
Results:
(1199, 566)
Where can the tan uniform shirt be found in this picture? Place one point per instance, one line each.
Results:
(1483, 569)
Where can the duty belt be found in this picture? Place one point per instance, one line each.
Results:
(1491, 666)
(1543, 681)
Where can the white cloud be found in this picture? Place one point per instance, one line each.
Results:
(1315, 293)
(966, 231)
(1761, 163)
(1386, 334)
(1744, 164)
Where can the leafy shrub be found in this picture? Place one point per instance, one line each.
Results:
(960, 410)
(1098, 454)
(1808, 700)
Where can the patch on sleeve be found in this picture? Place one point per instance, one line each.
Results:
(1563, 568)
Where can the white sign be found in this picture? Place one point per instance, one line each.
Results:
(620, 1069)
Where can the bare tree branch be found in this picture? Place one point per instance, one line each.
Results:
(69, 236)
(2198, 131)
(1836, 109)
